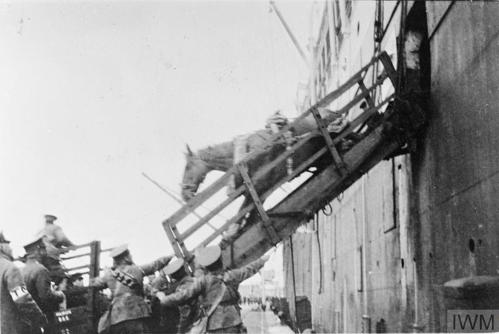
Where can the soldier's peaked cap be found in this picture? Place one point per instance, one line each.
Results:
(209, 255)
(50, 218)
(3, 240)
(174, 266)
(34, 245)
(117, 251)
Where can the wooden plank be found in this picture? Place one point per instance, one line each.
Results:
(388, 65)
(75, 256)
(274, 238)
(358, 98)
(340, 165)
(343, 88)
(199, 199)
(173, 241)
(85, 266)
(363, 88)
(300, 169)
(363, 117)
(233, 196)
(94, 271)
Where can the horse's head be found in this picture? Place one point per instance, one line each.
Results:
(194, 174)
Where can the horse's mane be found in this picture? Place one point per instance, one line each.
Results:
(219, 156)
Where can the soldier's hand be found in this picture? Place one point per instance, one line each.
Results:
(160, 295)
(63, 285)
(265, 258)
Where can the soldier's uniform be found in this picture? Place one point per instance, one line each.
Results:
(55, 240)
(163, 319)
(76, 293)
(188, 311)
(37, 279)
(128, 310)
(226, 317)
(17, 308)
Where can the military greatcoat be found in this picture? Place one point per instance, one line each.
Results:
(188, 311)
(126, 285)
(17, 308)
(37, 279)
(208, 287)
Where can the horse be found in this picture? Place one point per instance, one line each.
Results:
(220, 157)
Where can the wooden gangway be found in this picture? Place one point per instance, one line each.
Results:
(398, 124)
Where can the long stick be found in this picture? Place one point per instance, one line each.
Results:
(290, 33)
(178, 200)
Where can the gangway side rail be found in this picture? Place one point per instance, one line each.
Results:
(323, 187)
(204, 195)
(169, 224)
(298, 170)
(92, 269)
(265, 169)
(272, 234)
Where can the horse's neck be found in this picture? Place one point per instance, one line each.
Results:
(218, 157)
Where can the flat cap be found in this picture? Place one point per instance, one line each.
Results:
(174, 266)
(34, 245)
(209, 255)
(50, 218)
(117, 251)
(3, 240)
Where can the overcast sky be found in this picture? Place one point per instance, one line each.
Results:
(94, 93)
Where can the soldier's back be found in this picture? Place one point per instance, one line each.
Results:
(10, 278)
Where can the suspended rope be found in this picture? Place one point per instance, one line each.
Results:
(319, 251)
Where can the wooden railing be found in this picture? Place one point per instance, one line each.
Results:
(364, 93)
(92, 269)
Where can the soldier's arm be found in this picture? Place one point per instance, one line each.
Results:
(100, 283)
(241, 274)
(62, 239)
(27, 307)
(181, 296)
(150, 268)
(48, 296)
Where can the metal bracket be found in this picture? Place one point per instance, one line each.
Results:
(267, 224)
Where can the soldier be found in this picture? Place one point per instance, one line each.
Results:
(56, 243)
(163, 319)
(128, 311)
(188, 311)
(217, 290)
(37, 279)
(76, 293)
(17, 308)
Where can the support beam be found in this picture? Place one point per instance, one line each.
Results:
(267, 224)
(338, 161)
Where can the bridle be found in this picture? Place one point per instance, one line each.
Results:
(192, 186)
